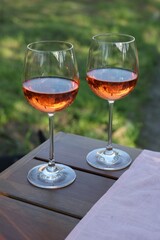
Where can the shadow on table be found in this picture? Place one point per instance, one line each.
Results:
(6, 161)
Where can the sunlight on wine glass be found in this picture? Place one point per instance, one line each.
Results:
(51, 83)
(112, 73)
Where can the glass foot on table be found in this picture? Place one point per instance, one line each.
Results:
(116, 160)
(61, 177)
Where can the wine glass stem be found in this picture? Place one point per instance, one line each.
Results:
(51, 139)
(109, 145)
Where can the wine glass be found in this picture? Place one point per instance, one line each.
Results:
(51, 83)
(112, 73)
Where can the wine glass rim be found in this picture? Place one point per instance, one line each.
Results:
(130, 38)
(29, 46)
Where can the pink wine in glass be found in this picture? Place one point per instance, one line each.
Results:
(111, 83)
(50, 94)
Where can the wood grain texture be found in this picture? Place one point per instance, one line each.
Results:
(22, 221)
(84, 192)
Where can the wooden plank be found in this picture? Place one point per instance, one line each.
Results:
(74, 200)
(72, 150)
(19, 220)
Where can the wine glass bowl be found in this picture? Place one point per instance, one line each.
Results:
(112, 73)
(51, 83)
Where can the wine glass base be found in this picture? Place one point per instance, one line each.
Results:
(116, 161)
(62, 177)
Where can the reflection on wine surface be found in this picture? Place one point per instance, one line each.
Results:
(111, 83)
(50, 94)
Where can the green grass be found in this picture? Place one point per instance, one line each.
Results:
(22, 22)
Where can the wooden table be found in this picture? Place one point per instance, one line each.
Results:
(28, 212)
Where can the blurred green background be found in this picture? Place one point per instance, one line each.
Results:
(22, 22)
